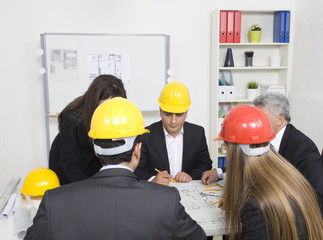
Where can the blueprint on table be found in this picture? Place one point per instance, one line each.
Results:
(197, 203)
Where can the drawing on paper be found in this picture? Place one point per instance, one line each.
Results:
(197, 203)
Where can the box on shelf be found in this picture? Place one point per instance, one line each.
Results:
(222, 95)
(265, 88)
(230, 93)
(226, 93)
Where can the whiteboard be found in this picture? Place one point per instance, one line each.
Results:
(72, 60)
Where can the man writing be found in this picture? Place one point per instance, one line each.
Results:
(175, 147)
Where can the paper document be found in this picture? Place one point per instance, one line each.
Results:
(198, 204)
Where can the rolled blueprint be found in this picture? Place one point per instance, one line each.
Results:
(21, 221)
(9, 207)
(10, 188)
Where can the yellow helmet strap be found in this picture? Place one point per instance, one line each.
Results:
(116, 150)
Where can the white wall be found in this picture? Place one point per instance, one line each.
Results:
(188, 22)
(306, 96)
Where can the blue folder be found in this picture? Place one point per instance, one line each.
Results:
(222, 162)
(287, 25)
(279, 27)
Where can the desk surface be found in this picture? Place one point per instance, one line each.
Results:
(197, 203)
(6, 229)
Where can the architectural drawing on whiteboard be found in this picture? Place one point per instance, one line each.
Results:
(63, 61)
(114, 64)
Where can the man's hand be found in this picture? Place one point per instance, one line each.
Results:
(209, 176)
(162, 178)
(183, 177)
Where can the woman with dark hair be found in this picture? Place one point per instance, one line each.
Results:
(264, 196)
(72, 155)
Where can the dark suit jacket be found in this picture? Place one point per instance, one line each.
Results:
(196, 157)
(301, 151)
(72, 155)
(113, 204)
(254, 227)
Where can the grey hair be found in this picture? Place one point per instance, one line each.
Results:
(274, 102)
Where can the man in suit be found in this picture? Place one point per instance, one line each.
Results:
(114, 203)
(175, 147)
(291, 143)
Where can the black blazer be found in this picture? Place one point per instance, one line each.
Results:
(72, 155)
(196, 157)
(301, 151)
(254, 226)
(113, 204)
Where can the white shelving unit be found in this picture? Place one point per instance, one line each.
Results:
(260, 71)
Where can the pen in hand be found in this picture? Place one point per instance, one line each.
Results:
(168, 178)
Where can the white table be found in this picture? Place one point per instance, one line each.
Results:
(6, 229)
(197, 203)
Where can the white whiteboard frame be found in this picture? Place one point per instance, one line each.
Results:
(150, 70)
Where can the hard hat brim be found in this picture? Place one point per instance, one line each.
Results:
(218, 138)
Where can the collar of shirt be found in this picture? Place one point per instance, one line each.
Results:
(115, 166)
(174, 147)
(276, 141)
(167, 134)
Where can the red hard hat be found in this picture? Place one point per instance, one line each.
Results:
(246, 125)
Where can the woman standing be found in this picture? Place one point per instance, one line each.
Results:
(72, 156)
(264, 196)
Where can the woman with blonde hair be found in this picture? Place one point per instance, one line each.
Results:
(264, 196)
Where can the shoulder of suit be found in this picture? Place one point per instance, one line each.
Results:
(297, 136)
(155, 126)
(193, 126)
(295, 132)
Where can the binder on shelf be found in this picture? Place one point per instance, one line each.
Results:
(225, 78)
(230, 25)
(222, 162)
(279, 27)
(287, 25)
(237, 27)
(223, 27)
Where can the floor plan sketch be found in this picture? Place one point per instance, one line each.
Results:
(197, 203)
(114, 64)
(63, 61)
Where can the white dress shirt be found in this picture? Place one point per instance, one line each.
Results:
(277, 140)
(174, 147)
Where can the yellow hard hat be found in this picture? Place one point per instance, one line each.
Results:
(117, 118)
(174, 98)
(38, 181)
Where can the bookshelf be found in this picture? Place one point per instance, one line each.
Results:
(260, 71)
